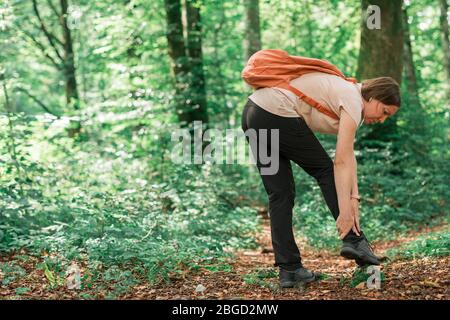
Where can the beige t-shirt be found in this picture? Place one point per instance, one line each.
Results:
(329, 90)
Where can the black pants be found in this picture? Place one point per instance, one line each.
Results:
(297, 143)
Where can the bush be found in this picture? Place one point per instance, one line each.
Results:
(107, 208)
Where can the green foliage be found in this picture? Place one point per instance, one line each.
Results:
(10, 272)
(111, 199)
(430, 245)
(102, 207)
(393, 202)
(22, 290)
(261, 277)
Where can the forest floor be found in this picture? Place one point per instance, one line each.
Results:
(251, 275)
(425, 278)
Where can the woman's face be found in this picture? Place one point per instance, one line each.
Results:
(375, 111)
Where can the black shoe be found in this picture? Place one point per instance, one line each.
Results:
(361, 251)
(289, 279)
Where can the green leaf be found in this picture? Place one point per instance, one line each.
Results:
(49, 275)
(22, 290)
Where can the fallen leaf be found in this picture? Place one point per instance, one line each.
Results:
(361, 285)
(430, 284)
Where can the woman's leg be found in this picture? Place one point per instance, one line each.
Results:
(280, 188)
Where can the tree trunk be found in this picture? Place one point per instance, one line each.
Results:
(381, 54)
(181, 67)
(410, 69)
(415, 117)
(177, 53)
(219, 85)
(252, 27)
(65, 61)
(197, 102)
(445, 43)
(69, 59)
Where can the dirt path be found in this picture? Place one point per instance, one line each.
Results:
(427, 278)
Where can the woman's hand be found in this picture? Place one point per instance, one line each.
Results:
(355, 209)
(345, 223)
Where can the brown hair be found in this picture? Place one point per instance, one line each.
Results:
(384, 89)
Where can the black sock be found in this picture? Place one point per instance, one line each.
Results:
(291, 267)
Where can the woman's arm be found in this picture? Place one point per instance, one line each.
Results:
(344, 172)
(355, 191)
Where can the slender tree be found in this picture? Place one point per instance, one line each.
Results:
(197, 101)
(445, 43)
(409, 66)
(134, 55)
(177, 53)
(218, 81)
(381, 53)
(415, 116)
(11, 141)
(69, 58)
(252, 27)
(62, 57)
